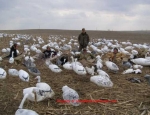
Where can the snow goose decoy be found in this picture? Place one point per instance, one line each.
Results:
(103, 81)
(54, 68)
(23, 75)
(22, 111)
(70, 96)
(141, 61)
(67, 66)
(102, 73)
(45, 88)
(2, 73)
(13, 72)
(112, 66)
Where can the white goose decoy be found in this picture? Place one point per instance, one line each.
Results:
(67, 66)
(46, 89)
(11, 59)
(54, 68)
(34, 94)
(102, 73)
(13, 72)
(3, 73)
(90, 70)
(112, 66)
(22, 111)
(141, 61)
(70, 95)
(128, 71)
(80, 70)
(23, 75)
(101, 81)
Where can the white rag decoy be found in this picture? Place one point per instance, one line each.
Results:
(90, 70)
(112, 66)
(46, 89)
(23, 75)
(35, 94)
(102, 73)
(22, 111)
(128, 71)
(13, 72)
(11, 59)
(3, 73)
(141, 61)
(101, 81)
(70, 96)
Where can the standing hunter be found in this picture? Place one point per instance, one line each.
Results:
(83, 40)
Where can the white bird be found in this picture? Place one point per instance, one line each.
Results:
(22, 111)
(70, 95)
(46, 89)
(90, 70)
(101, 81)
(23, 75)
(112, 66)
(11, 59)
(3, 73)
(141, 61)
(128, 71)
(13, 72)
(102, 73)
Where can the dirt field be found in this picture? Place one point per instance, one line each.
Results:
(133, 98)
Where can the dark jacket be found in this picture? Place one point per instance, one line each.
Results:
(13, 49)
(83, 39)
(47, 53)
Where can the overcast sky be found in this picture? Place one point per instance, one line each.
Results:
(75, 14)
